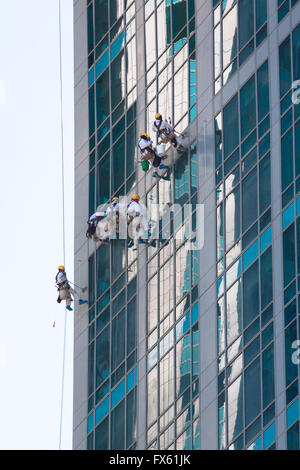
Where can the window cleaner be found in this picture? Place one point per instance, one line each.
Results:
(166, 132)
(65, 290)
(92, 224)
(149, 153)
(137, 217)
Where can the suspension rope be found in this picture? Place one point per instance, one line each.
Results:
(63, 216)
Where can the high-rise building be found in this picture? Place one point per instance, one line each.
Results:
(190, 348)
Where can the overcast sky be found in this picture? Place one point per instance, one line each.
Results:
(31, 349)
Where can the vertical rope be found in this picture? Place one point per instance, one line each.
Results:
(63, 217)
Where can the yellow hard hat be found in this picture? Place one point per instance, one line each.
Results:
(61, 268)
(144, 134)
(135, 197)
(115, 199)
(157, 116)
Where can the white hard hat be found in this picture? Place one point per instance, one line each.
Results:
(98, 214)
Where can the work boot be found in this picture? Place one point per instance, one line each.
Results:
(81, 302)
(69, 308)
(163, 167)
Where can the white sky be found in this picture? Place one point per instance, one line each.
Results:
(31, 350)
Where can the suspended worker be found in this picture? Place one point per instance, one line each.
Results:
(92, 224)
(135, 213)
(165, 131)
(149, 153)
(65, 290)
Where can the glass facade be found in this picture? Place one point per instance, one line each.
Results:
(194, 349)
(289, 62)
(244, 264)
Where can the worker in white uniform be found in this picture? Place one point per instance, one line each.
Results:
(92, 224)
(135, 213)
(65, 290)
(149, 153)
(164, 130)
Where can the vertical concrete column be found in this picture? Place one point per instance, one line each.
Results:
(141, 276)
(206, 196)
(80, 380)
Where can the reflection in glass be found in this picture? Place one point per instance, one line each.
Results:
(235, 408)
(234, 311)
(232, 217)
(229, 37)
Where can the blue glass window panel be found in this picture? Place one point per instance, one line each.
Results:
(285, 66)
(116, 46)
(91, 422)
(249, 199)
(250, 255)
(263, 90)
(91, 76)
(266, 278)
(253, 430)
(264, 145)
(118, 426)
(117, 394)
(264, 184)
(283, 10)
(248, 107)
(292, 413)
(249, 143)
(102, 356)
(102, 64)
(251, 294)
(298, 206)
(287, 159)
(246, 21)
(264, 127)
(269, 435)
(246, 52)
(261, 12)
(249, 161)
(286, 102)
(266, 239)
(289, 254)
(265, 220)
(152, 358)
(296, 48)
(267, 335)
(193, 113)
(261, 35)
(252, 391)
(288, 216)
(256, 445)
(293, 437)
(286, 121)
(269, 414)
(251, 351)
(231, 126)
(102, 410)
(195, 313)
(290, 312)
(182, 326)
(131, 379)
(231, 162)
(290, 292)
